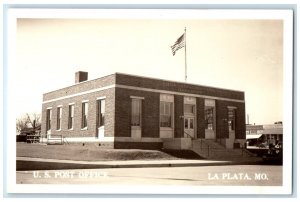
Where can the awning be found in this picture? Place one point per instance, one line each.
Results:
(253, 136)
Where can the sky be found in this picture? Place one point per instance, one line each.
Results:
(244, 55)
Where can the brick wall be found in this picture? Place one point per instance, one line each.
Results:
(91, 120)
(178, 101)
(200, 118)
(221, 123)
(176, 86)
(150, 113)
(222, 113)
(81, 87)
(240, 132)
(138, 145)
(122, 114)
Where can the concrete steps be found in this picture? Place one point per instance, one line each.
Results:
(210, 149)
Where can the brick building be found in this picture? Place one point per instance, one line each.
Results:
(126, 111)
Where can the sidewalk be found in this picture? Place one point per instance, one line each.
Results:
(27, 163)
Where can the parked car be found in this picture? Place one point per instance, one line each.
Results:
(274, 154)
(262, 145)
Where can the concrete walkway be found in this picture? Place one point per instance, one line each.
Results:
(27, 163)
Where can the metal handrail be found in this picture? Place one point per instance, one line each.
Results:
(65, 140)
(188, 135)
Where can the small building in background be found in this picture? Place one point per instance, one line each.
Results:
(267, 134)
(273, 133)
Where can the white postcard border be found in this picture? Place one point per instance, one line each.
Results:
(285, 15)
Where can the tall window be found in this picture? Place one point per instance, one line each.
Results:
(71, 117)
(231, 118)
(100, 112)
(84, 115)
(48, 119)
(136, 112)
(209, 118)
(166, 113)
(59, 115)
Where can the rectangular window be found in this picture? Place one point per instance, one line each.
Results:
(59, 115)
(191, 123)
(186, 123)
(100, 112)
(231, 118)
(189, 109)
(166, 113)
(136, 112)
(48, 119)
(71, 117)
(84, 114)
(209, 118)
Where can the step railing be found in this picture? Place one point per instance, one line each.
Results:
(189, 135)
(65, 141)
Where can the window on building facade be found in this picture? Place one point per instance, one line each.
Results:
(209, 118)
(231, 118)
(189, 109)
(166, 113)
(136, 112)
(191, 123)
(100, 112)
(59, 115)
(84, 114)
(186, 123)
(48, 119)
(71, 117)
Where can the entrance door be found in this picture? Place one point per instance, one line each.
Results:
(189, 127)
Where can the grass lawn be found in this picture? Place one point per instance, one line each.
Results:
(93, 153)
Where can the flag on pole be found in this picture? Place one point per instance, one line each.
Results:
(178, 44)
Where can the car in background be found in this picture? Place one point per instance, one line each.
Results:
(274, 154)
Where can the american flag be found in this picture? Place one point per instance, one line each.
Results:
(178, 44)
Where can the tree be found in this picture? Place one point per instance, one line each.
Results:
(27, 121)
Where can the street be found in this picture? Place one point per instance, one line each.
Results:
(249, 175)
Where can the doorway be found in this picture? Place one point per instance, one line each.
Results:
(189, 127)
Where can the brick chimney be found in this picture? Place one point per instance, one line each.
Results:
(81, 76)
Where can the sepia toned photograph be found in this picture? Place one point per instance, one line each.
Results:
(163, 98)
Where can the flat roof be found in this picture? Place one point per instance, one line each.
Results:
(179, 82)
(123, 80)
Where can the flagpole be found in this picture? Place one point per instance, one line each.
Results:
(185, 53)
